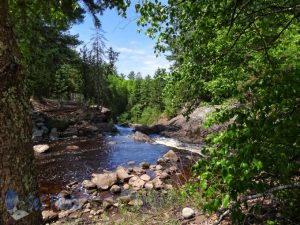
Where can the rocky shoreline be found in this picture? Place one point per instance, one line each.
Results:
(86, 201)
(120, 187)
(182, 128)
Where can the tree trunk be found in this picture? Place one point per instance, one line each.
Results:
(17, 170)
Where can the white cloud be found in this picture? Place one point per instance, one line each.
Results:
(135, 58)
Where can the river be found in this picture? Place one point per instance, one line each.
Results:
(61, 166)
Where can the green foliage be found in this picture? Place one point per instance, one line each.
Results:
(243, 55)
(67, 80)
(145, 98)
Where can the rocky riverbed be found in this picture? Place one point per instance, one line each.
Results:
(107, 190)
(85, 170)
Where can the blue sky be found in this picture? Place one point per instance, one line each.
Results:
(136, 49)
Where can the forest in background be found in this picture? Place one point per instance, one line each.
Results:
(242, 55)
(55, 68)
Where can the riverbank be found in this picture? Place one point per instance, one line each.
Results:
(78, 172)
(188, 130)
(108, 194)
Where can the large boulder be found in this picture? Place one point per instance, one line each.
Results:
(104, 180)
(139, 136)
(122, 174)
(41, 148)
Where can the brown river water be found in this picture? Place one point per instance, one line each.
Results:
(60, 166)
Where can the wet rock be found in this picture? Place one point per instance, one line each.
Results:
(135, 202)
(104, 181)
(145, 165)
(72, 147)
(171, 156)
(115, 189)
(49, 215)
(136, 182)
(87, 184)
(149, 186)
(131, 163)
(145, 177)
(41, 148)
(139, 136)
(188, 213)
(122, 174)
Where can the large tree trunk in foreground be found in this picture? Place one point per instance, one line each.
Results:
(17, 172)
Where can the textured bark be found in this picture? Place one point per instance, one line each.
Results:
(17, 169)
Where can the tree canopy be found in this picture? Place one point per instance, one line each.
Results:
(243, 55)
